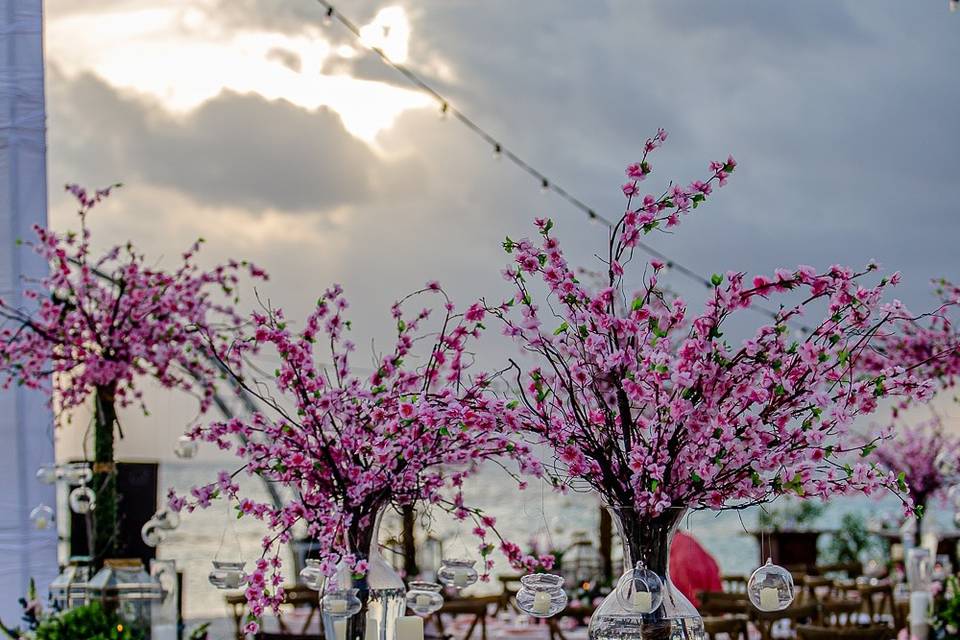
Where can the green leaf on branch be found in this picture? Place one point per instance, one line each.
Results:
(716, 279)
(561, 329)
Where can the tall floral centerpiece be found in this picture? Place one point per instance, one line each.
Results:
(350, 446)
(103, 322)
(658, 411)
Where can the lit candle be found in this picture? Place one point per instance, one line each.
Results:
(460, 577)
(337, 606)
(642, 601)
(769, 599)
(373, 631)
(410, 628)
(40, 523)
(541, 603)
(423, 601)
(340, 629)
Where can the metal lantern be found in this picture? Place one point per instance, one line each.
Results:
(69, 589)
(124, 585)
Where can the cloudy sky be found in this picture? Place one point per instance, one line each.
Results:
(280, 140)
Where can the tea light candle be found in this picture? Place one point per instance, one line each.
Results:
(541, 603)
(423, 600)
(410, 628)
(460, 578)
(41, 523)
(340, 629)
(769, 599)
(642, 601)
(373, 630)
(337, 606)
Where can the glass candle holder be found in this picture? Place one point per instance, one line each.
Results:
(227, 574)
(48, 473)
(457, 573)
(770, 588)
(424, 598)
(151, 533)
(186, 447)
(42, 517)
(82, 500)
(640, 590)
(542, 595)
(167, 519)
(341, 604)
(311, 575)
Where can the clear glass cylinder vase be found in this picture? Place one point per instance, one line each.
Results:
(647, 539)
(381, 590)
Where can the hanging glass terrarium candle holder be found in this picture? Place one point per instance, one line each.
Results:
(69, 589)
(186, 447)
(541, 595)
(167, 519)
(48, 473)
(76, 473)
(312, 576)
(457, 573)
(82, 500)
(152, 533)
(227, 574)
(42, 517)
(341, 604)
(125, 586)
(424, 598)
(640, 590)
(770, 588)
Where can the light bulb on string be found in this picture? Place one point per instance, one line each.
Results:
(770, 588)
(42, 517)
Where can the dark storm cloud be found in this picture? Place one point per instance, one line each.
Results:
(235, 149)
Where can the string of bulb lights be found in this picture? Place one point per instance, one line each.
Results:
(501, 151)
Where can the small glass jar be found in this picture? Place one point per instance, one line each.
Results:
(424, 598)
(82, 500)
(227, 575)
(42, 517)
(770, 588)
(457, 573)
(186, 447)
(341, 604)
(542, 595)
(312, 576)
(640, 590)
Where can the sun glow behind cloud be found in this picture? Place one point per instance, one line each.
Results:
(180, 57)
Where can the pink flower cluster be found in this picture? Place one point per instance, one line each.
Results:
(105, 321)
(349, 446)
(653, 407)
(914, 451)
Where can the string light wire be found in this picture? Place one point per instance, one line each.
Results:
(500, 150)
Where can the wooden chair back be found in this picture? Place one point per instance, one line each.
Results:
(878, 632)
(878, 603)
(817, 588)
(735, 627)
(734, 584)
(796, 614)
(719, 603)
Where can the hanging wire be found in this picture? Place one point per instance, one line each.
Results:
(502, 151)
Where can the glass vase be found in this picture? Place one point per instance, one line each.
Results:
(647, 539)
(381, 590)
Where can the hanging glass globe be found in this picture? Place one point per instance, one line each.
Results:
(459, 574)
(770, 588)
(42, 517)
(186, 447)
(152, 533)
(312, 576)
(47, 474)
(640, 590)
(82, 500)
(77, 473)
(947, 464)
(424, 598)
(227, 575)
(340, 604)
(542, 595)
(167, 519)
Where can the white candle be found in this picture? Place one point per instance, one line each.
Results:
(337, 606)
(410, 628)
(373, 631)
(541, 603)
(423, 601)
(40, 523)
(642, 601)
(340, 629)
(769, 599)
(460, 578)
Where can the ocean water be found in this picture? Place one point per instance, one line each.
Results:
(550, 518)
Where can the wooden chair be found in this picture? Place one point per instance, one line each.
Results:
(878, 603)
(734, 584)
(478, 607)
(816, 588)
(734, 627)
(796, 615)
(878, 632)
(719, 603)
(840, 613)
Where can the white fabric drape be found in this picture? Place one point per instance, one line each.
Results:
(26, 439)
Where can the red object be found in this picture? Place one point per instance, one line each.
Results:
(692, 568)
